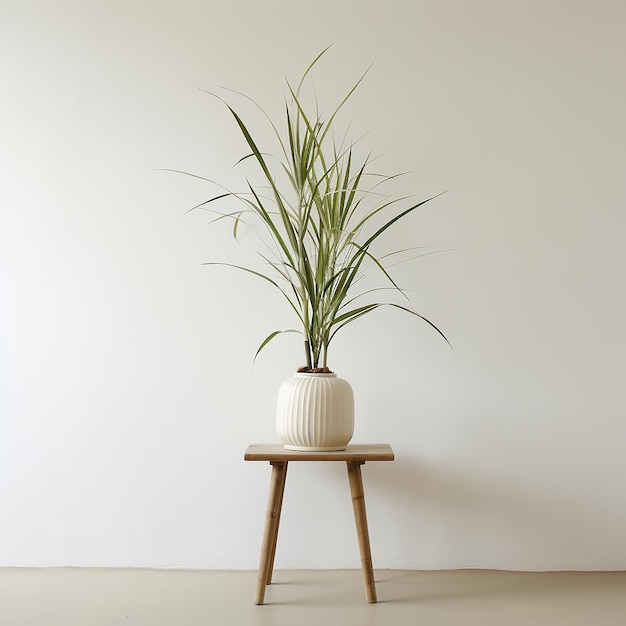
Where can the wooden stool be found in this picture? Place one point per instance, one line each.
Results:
(278, 457)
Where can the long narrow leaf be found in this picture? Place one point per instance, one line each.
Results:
(272, 336)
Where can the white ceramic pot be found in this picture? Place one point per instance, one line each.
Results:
(315, 412)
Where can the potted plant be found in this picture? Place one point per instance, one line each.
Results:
(317, 214)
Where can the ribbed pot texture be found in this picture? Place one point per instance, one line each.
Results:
(315, 412)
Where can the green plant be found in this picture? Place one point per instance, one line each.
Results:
(317, 217)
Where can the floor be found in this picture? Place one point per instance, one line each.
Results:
(95, 597)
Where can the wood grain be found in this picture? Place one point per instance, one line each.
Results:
(354, 452)
(360, 518)
(270, 534)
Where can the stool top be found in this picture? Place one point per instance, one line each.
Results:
(353, 452)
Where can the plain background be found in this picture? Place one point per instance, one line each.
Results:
(128, 392)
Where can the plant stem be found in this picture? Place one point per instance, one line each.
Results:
(307, 352)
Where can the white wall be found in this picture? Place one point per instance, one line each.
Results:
(127, 389)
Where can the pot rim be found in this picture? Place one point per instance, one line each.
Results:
(314, 375)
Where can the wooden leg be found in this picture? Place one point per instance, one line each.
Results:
(274, 538)
(270, 534)
(358, 504)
